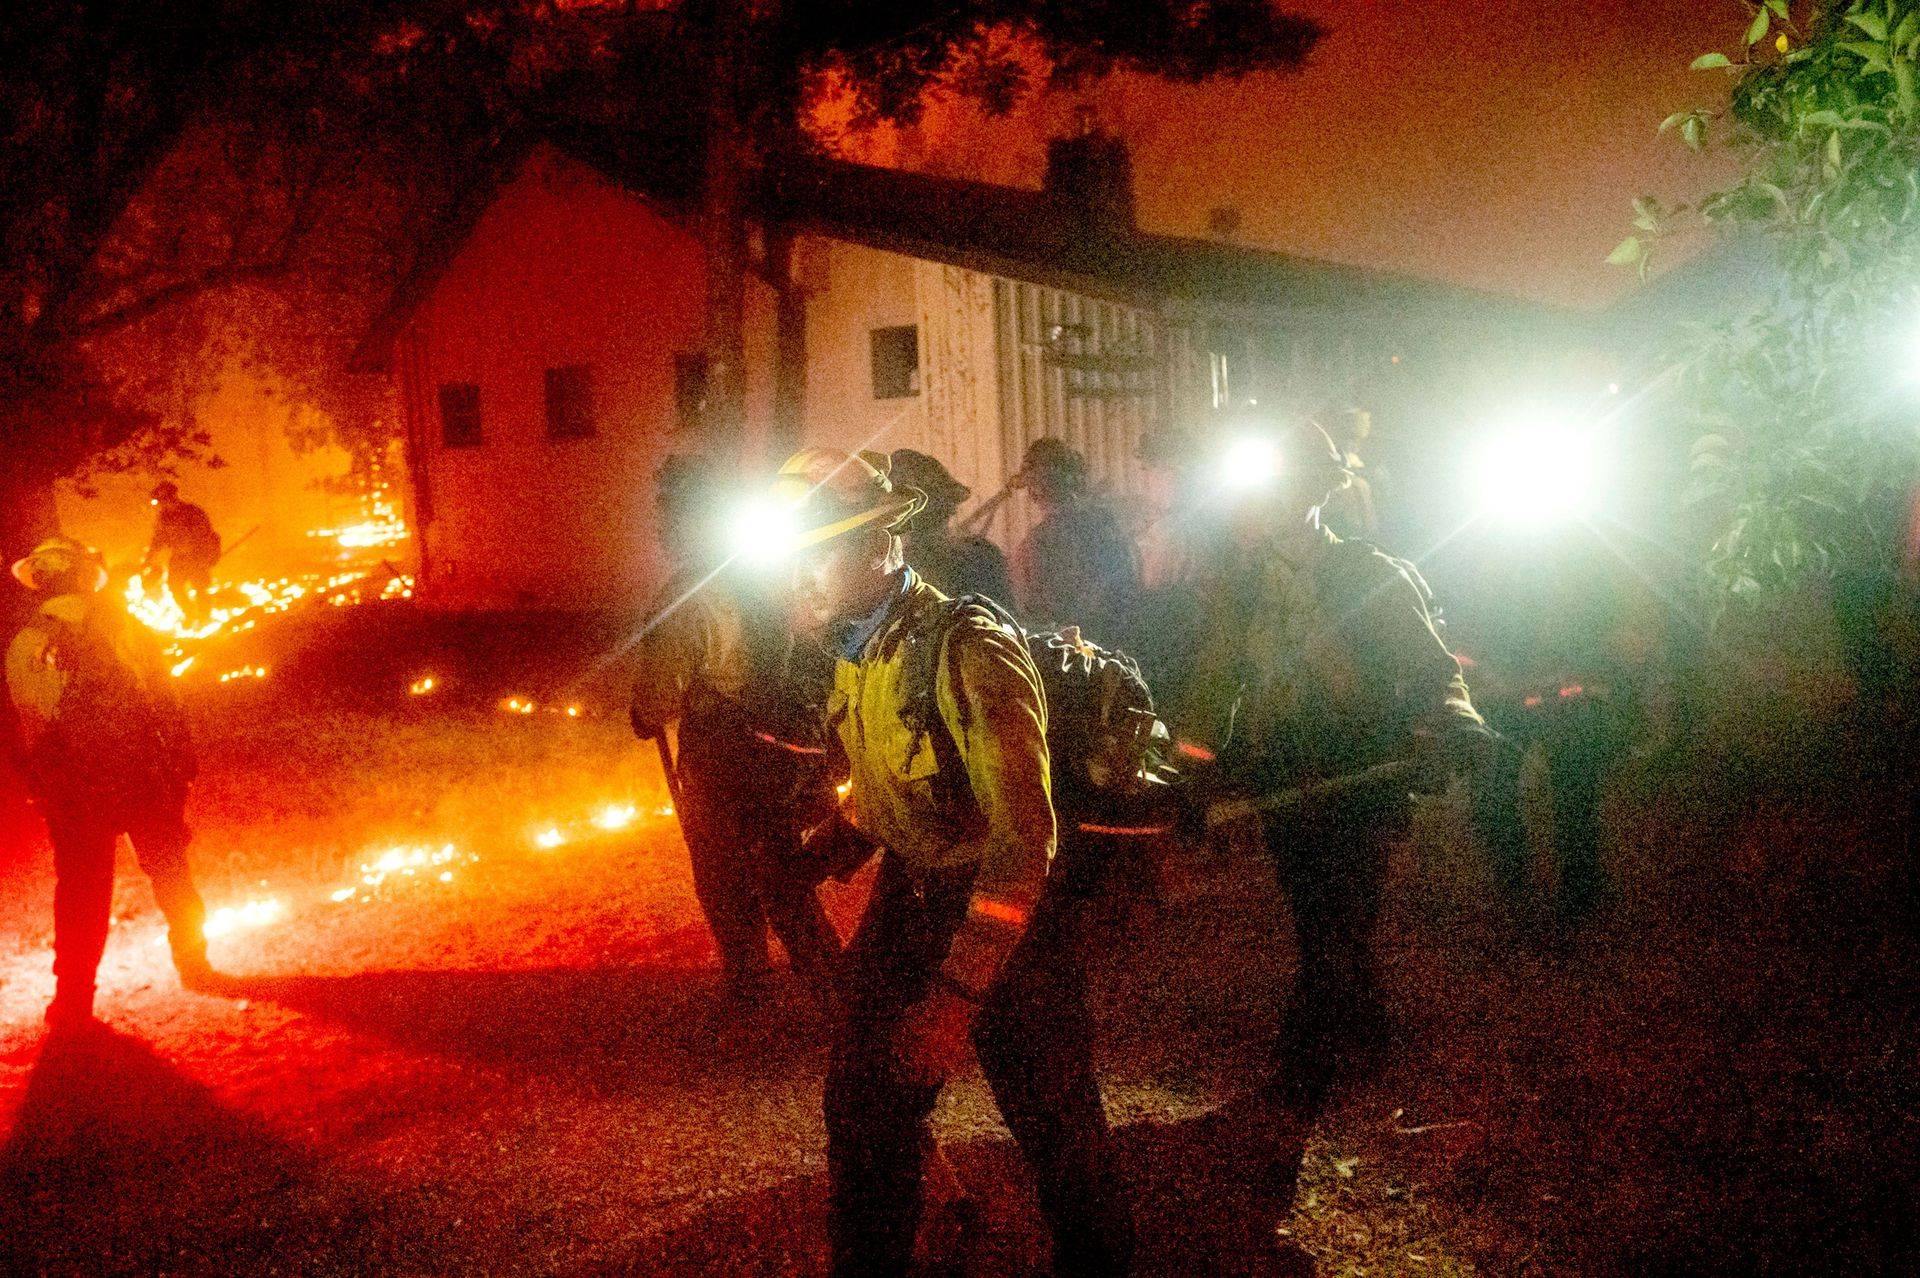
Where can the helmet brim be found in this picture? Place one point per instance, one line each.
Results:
(901, 505)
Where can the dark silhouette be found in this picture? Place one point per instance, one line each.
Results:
(1077, 567)
(953, 564)
(107, 753)
(713, 658)
(185, 544)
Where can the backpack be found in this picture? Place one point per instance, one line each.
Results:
(1105, 744)
(107, 736)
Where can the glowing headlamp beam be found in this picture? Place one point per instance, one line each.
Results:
(1250, 463)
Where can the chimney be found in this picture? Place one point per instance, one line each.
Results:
(1090, 178)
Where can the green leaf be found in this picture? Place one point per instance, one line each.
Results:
(1870, 22)
(1628, 252)
(1872, 54)
(1903, 85)
(1909, 27)
(1711, 61)
(1779, 8)
(1694, 132)
(1758, 31)
(1674, 119)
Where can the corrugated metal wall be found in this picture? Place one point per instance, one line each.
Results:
(1096, 385)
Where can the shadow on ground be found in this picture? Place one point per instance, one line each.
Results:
(609, 1028)
(1196, 1186)
(103, 1173)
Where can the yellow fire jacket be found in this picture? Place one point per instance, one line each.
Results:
(998, 813)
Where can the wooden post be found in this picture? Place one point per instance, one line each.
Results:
(723, 229)
(790, 343)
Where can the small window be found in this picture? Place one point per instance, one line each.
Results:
(570, 402)
(690, 389)
(460, 415)
(896, 362)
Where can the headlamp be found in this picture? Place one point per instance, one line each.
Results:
(1538, 474)
(764, 531)
(1250, 462)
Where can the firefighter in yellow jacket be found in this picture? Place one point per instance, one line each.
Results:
(961, 938)
(707, 661)
(106, 753)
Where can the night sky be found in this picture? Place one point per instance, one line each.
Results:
(1494, 144)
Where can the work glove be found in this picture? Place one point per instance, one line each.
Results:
(837, 846)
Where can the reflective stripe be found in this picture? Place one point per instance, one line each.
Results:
(1127, 831)
(792, 746)
(999, 911)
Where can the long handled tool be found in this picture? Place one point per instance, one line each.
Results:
(983, 514)
(670, 768)
(1332, 790)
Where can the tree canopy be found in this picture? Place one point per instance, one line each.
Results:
(1803, 405)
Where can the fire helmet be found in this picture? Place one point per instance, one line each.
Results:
(833, 493)
(61, 566)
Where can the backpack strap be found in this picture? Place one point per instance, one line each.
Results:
(927, 646)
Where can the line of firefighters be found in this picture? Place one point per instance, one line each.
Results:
(1005, 775)
(852, 685)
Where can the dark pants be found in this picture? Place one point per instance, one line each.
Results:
(748, 872)
(1034, 1041)
(85, 835)
(1582, 743)
(1333, 867)
(190, 582)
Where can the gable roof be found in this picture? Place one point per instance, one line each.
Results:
(1036, 236)
(1019, 233)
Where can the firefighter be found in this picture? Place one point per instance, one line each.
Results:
(712, 661)
(1078, 566)
(106, 753)
(953, 565)
(962, 938)
(1320, 661)
(184, 541)
(1576, 663)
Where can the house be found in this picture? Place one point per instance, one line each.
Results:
(548, 353)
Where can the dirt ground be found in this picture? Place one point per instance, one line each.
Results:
(479, 1033)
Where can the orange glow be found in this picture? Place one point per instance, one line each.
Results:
(573, 712)
(550, 837)
(244, 672)
(383, 525)
(254, 914)
(616, 816)
(518, 705)
(422, 686)
(999, 911)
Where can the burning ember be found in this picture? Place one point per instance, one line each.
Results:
(404, 863)
(616, 816)
(244, 672)
(383, 526)
(518, 705)
(236, 918)
(422, 686)
(550, 838)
